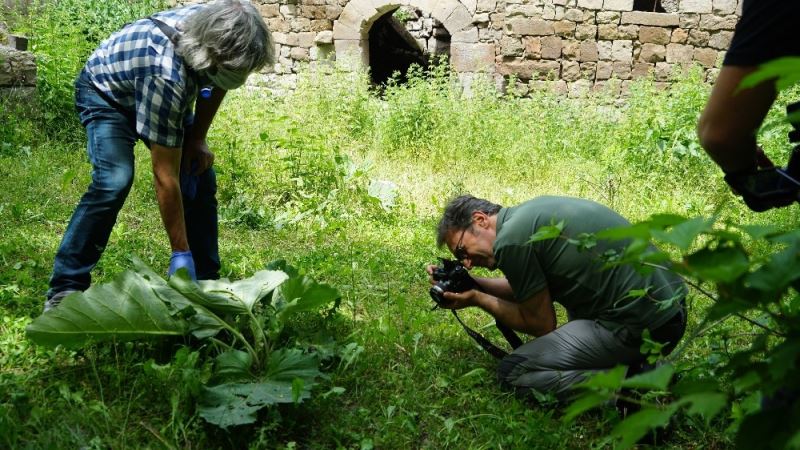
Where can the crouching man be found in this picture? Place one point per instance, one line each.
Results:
(605, 322)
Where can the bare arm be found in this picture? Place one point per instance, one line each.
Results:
(727, 128)
(166, 165)
(534, 316)
(497, 287)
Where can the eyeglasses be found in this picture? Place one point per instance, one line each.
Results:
(460, 252)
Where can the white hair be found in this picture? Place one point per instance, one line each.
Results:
(228, 34)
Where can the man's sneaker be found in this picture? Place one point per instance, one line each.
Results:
(55, 300)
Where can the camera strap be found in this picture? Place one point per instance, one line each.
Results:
(513, 340)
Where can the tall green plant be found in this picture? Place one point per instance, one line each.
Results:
(240, 321)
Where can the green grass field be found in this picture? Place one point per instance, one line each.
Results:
(294, 178)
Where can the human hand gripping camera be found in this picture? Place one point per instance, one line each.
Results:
(767, 186)
(450, 276)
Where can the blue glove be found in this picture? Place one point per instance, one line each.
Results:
(189, 182)
(182, 260)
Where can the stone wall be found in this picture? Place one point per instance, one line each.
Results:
(571, 45)
(17, 66)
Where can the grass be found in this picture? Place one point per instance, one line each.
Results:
(294, 174)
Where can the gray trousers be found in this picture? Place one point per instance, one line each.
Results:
(554, 362)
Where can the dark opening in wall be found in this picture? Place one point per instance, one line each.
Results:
(392, 49)
(648, 5)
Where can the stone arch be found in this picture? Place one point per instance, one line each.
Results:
(351, 29)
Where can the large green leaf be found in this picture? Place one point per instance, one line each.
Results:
(232, 365)
(584, 402)
(123, 310)
(288, 364)
(657, 379)
(722, 264)
(609, 379)
(682, 235)
(224, 296)
(784, 71)
(232, 404)
(633, 428)
(705, 404)
(301, 293)
(781, 269)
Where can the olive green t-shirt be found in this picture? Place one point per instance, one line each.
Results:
(576, 278)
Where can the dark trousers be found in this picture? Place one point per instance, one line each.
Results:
(111, 137)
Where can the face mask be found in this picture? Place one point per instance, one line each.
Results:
(226, 79)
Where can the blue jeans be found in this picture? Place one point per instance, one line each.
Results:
(111, 136)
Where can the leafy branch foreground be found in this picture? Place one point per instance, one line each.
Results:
(760, 287)
(239, 322)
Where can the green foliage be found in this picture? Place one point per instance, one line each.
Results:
(140, 305)
(759, 287)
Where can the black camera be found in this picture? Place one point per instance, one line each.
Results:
(773, 187)
(450, 276)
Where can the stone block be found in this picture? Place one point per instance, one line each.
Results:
(520, 69)
(299, 54)
(707, 57)
(570, 70)
(444, 8)
(652, 53)
(720, 40)
(695, 6)
(524, 10)
(642, 70)
(698, 38)
(604, 50)
(571, 49)
(713, 23)
(427, 6)
(590, 4)
(663, 71)
(654, 35)
(588, 51)
(689, 21)
(551, 47)
(580, 88)
(573, 15)
(533, 47)
(351, 53)
(324, 38)
(277, 24)
(548, 70)
(480, 18)
(630, 32)
(650, 18)
(486, 5)
(301, 24)
(621, 70)
(604, 70)
(608, 17)
(472, 57)
(679, 53)
(530, 27)
(564, 28)
(305, 39)
(267, 11)
(470, 35)
(342, 31)
(607, 32)
(618, 5)
(586, 31)
(17, 68)
(471, 5)
(622, 51)
(511, 46)
(321, 25)
(588, 70)
(679, 36)
(723, 7)
(458, 20)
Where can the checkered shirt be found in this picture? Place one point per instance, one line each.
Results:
(137, 68)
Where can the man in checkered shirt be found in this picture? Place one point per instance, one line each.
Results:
(142, 83)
